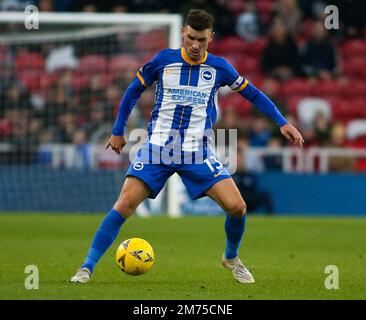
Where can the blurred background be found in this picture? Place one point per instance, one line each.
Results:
(60, 87)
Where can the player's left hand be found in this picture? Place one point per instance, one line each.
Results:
(292, 135)
(116, 143)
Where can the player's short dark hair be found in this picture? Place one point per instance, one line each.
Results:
(199, 20)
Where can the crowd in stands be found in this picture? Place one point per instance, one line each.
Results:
(316, 77)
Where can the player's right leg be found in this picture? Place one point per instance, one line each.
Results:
(134, 191)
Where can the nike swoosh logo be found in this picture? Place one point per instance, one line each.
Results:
(217, 174)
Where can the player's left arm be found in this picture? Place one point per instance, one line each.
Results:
(265, 105)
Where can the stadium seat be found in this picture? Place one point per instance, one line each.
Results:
(235, 6)
(241, 106)
(342, 110)
(328, 88)
(48, 80)
(123, 63)
(214, 47)
(152, 41)
(247, 65)
(292, 103)
(351, 48)
(355, 88)
(79, 80)
(256, 47)
(29, 61)
(265, 9)
(297, 87)
(31, 79)
(233, 45)
(93, 63)
(354, 67)
(359, 104)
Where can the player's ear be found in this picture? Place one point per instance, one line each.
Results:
(182, 30)
(212, 36)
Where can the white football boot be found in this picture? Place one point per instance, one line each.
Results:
(240, 272)
(82, 276)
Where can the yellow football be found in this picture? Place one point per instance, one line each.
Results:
(135, 256)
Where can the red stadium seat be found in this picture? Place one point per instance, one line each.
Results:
(355, 47)
(214, 47)
(247, 65)
(29, 61)
(328, 88)
(343, 110)
(256, 47)
(235, 6)
(354, 67)
(48, 80)
(93, 63)
(233, 45)
(296, 87)
(355, 88)
(265, 9)
(358, 105)
(123, 63)
(79, 80)
(31, 79)
(236, 101)
(292, 103)
(152, 41)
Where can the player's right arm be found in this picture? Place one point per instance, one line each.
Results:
(145, 77)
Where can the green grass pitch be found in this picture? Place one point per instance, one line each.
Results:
(287, 256)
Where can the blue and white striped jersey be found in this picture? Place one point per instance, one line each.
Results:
(186, 94)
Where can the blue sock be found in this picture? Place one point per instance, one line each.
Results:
(234, 229)
(103, 238)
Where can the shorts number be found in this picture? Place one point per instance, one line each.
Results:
(217, 163)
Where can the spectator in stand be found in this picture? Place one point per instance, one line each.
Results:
(17, 97)
(319, 55)
(271, 88)
(273, 162)
(338, 140)
(322, 128)
(248, 24)
(24, 144)
(81, 155)
(280, 58)
(91, 94)
(56, 104)
(111, 100)
(259, 133)
(66, 128)
(289, 12)
(246, 182)
(96, 127)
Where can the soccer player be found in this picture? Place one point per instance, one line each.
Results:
(185, 103)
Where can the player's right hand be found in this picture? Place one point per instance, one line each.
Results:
(116, 143)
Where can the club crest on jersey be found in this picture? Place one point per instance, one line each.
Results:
(138, 165)
(207, 75)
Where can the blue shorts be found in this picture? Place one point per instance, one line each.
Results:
(198, 176)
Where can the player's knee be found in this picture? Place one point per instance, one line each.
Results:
(125, 207)
(238, 209)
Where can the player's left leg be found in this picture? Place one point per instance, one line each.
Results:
(227, 195)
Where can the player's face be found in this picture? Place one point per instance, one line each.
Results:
(195, 42)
